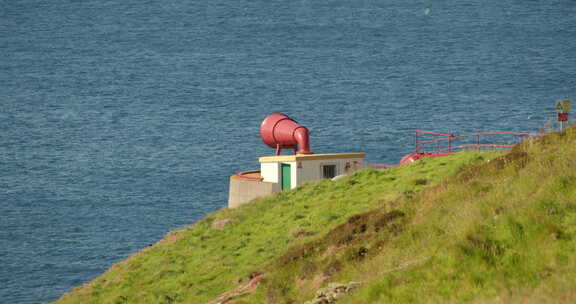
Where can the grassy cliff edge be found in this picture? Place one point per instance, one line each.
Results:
(477, 227)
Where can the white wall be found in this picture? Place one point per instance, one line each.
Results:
(270, 172)
(312, 169)
(293, 175)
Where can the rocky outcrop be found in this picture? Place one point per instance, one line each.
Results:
(333, 292)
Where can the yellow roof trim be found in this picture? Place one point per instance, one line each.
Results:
(306, 157)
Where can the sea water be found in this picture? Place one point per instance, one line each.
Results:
(122, 120)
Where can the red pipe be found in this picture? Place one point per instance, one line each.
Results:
(303, 139)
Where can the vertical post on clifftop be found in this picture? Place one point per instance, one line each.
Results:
(563, 108)
(478, 142)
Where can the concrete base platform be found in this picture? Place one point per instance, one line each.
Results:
(244, 191)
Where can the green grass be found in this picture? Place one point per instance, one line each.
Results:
(499, 231)
(473, 227)
(198, 263)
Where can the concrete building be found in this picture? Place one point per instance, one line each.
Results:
(283, 172)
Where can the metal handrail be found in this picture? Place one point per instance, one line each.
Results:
(449, 138)
(378, 165)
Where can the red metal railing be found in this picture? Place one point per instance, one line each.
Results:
(377, 165)
(450, 138)
(244, 175)
(446, 138)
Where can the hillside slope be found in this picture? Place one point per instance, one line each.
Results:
(198, 263)
(473, 227)
(502, 231)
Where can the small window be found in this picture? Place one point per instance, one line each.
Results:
(328, 171)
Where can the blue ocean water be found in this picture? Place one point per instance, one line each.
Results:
(122, 120)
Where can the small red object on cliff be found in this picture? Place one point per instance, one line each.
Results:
(279, 131)
(562, 116)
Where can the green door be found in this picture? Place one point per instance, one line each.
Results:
(286, 176)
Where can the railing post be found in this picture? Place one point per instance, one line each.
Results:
(478, 142)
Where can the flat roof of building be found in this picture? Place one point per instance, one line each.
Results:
(306, 157)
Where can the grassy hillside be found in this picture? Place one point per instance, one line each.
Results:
(502, 231)
(473, 227)
(198, 263)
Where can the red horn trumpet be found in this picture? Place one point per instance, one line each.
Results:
(279, 131)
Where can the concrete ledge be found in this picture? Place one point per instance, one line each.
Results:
(244, 191)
